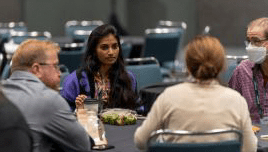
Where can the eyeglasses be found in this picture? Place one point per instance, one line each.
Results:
(56, 66)
(255, 41)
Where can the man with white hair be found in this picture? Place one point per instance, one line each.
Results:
(251, 76)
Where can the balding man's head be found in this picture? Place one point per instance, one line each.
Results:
(31, 51)
(260, 25)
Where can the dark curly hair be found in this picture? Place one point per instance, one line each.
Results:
(121, 93)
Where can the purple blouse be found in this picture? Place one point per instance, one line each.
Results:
(71, 90)
(241, 81)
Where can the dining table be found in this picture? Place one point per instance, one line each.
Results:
(262, 144)
(121, 137)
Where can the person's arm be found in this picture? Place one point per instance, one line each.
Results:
(64, 129)
(70, 89)
(153, 122)
(249, 138)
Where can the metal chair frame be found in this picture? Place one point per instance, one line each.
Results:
(194, 133)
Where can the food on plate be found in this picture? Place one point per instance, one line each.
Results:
(118, 119)
(256, 129)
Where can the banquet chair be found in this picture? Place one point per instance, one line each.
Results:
(164, 44)
(231, 63)
(78, 30)
(64, 72)
(6, 70)
(19, 36)
(146, 70)
(15, 134)
(158, 143)
(126, 49)
(71, 55)
(5, 29)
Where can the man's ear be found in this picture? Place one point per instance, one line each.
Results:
(36, 70)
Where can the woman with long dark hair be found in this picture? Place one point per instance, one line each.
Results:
(102, 75)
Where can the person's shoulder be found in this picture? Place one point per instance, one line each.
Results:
(130, 74)
(53, 100)
(74, 76)
(245, 65)
(177, 87)
(230, 92)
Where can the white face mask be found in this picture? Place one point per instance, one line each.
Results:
(256, 54)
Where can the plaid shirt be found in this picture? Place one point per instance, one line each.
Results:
(241, 81)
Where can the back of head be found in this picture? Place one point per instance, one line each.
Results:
(205, 57)
(31, 51)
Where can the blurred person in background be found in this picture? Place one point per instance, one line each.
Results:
(202, 103)
(103, 74)
(251, 76)
(31, 87)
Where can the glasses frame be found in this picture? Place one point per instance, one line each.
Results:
(255, 41)
(56, 66)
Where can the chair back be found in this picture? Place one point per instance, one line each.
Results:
(126, 49)
(15, 135)
(231, 63)
(71, 55)
(5, 29)
(162, 43)
(80, 30)
(146, 70)
(64, 72)
(19, 36)
(231, 145)
(6, 70)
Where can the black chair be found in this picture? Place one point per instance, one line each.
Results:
(146, 70)
(15, 135)
(158, 143)
(80, 30)
(71, 55)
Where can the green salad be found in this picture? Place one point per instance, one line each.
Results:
(118, 119)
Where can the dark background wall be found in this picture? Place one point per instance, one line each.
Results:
(228, 19)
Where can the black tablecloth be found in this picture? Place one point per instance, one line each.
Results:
(122, 137)
(150, 93)
(262, 144)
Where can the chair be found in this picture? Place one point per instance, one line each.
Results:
(64, 72)
(126, 49)
(227, 145)
(15, 135)
(74, 28)
(71, 55)
(232, 62)
(146, 70)
(19, 36)
(6, 70)
(174, 24)
(163, 44)
(5, 29)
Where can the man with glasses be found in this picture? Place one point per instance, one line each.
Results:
(251, 76)
(33, 88)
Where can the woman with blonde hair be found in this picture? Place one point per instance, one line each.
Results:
(202, 103)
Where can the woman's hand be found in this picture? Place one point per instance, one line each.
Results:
(79, 101)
